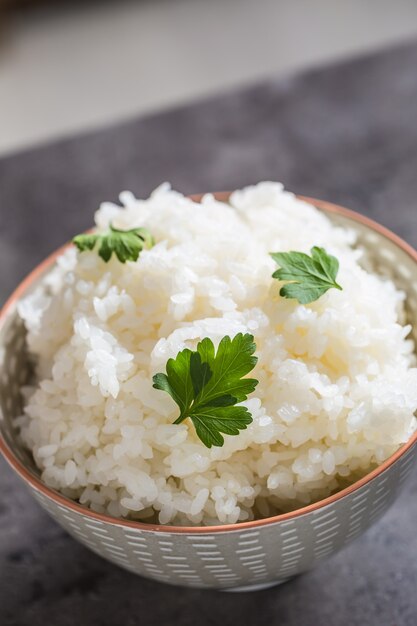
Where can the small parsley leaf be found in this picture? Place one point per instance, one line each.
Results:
(125, 244)
(310, 276)
(207, 385)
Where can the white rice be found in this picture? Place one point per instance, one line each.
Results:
(337, 391)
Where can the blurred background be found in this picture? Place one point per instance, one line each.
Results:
(68, 66)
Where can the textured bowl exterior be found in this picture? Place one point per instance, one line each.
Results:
(244, 556)
(238, 558)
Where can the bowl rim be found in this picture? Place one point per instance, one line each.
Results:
(62, 501)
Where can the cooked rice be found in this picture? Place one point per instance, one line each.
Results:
(337, 391)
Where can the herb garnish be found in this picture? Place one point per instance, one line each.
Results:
(207, 386)
(126, 244)
(310, 277)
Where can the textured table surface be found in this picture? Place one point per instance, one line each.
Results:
(346, 133)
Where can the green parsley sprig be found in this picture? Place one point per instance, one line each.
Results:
(125, 244)
(207, 385)
(309, 277)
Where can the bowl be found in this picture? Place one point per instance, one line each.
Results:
(245, 556)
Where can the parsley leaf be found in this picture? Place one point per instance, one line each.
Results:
(126, 244)
(207, 385)
(310, 277)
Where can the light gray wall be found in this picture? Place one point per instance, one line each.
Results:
(67, 69)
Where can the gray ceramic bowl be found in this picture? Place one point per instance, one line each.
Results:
(250, 555)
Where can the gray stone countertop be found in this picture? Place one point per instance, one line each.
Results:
(346, 133)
